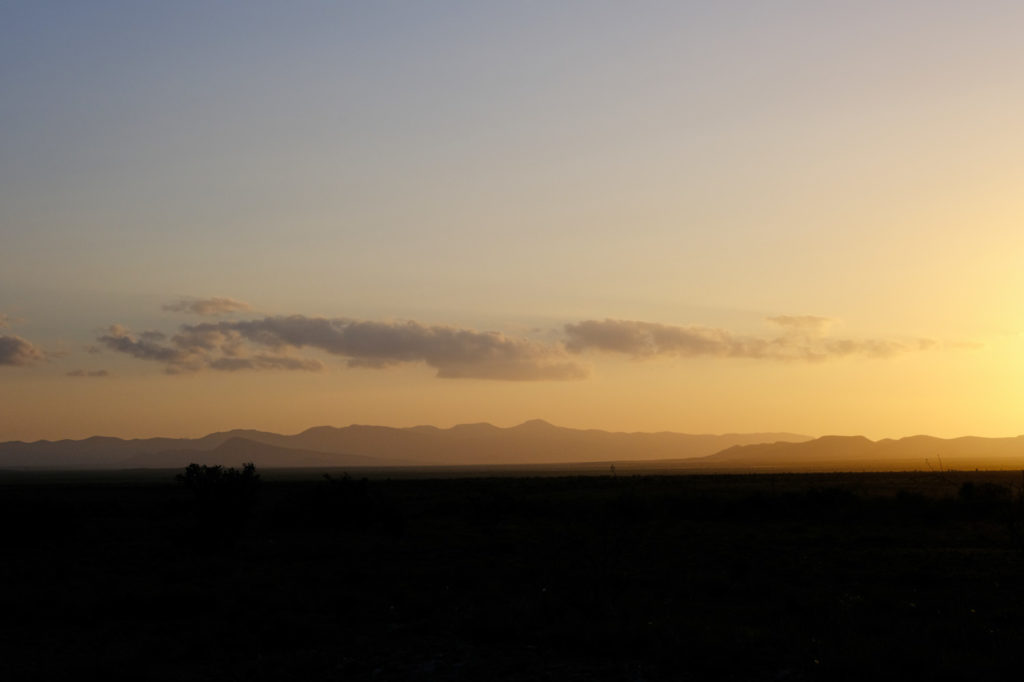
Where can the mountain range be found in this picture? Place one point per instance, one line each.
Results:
(534, 442)
(859, 453)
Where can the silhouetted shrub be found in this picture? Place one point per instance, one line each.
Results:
(224, 501)
(202, 478)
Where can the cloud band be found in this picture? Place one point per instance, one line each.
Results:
(802, 341)
(455, 353)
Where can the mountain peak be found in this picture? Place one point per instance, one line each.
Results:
(318, 430)
(482, 428)
(535, 425)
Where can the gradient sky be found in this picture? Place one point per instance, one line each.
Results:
(699, 217)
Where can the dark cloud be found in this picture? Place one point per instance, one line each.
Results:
(91, 373)
(452, 351)
(15, 350)
(120, 339)
(217, 305)
(194, 351)
(650, 339)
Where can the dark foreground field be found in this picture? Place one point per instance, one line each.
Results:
(761, 577)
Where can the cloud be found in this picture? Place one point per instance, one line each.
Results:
(6, 321)
(454, 352)
(651, 339)
(92, 373)
(120, 339)
(216, 305)
(17, 351)
(807, 324)
(179, 356)
(235, 364)
(278, 343)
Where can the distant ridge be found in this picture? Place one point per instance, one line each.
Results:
(858, 452)
(532, 442)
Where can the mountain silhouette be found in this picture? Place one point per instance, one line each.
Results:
(532, 442)
(858, 452)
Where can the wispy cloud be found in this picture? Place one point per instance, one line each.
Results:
(454, 352)
(96, 373)
(803, 324)
(217, 305)
(263, 361)
(803, 340)
(17, 351)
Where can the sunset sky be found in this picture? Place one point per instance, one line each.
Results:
(699, 217)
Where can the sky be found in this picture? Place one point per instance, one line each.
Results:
(698, 217)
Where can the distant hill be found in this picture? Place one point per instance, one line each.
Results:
(859, 453)
(533, 442)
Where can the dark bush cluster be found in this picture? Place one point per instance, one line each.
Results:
(224, 500)
(203, 479)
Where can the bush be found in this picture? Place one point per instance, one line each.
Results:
(204, 479)
(224, 501)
